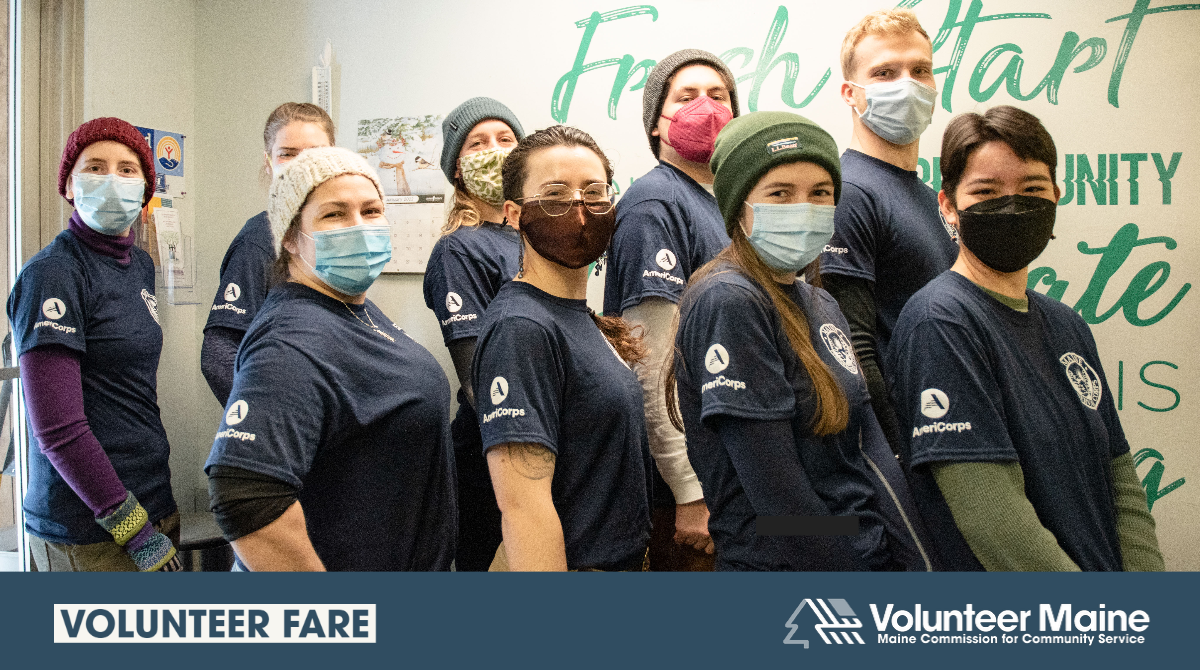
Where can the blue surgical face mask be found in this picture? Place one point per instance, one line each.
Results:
(898, 111)
(789, 237)
(107, 203)
(349, 259)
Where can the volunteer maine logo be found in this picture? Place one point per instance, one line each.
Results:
(453, 302)
(54, 309)
(665, 259)
(151, 304)
(839, 345)
(1084, 378)
(934, 403)
(499, 390)
(717, 359)
(835, 626)
(232, 292)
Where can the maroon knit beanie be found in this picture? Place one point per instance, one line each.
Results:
(106, 128)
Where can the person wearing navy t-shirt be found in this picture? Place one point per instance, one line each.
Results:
(1011, 437)
(888, 238)
(475, 256)
(334, 452)
(668, 225)
(560, 410)
(87, 330)
(291, 128)
(776, 410)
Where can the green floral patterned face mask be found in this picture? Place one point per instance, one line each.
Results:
(481, 174)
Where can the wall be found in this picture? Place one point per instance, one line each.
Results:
(1101, 86)
(139, 60)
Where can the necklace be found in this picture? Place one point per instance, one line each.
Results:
(371, 325)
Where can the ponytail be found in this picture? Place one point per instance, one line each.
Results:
(629, 346)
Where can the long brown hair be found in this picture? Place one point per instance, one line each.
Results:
(629, 345)
(832, 412)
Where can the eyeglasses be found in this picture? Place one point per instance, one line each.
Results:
(557, 199)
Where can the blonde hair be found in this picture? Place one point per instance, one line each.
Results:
(883, 22)
(463, 209)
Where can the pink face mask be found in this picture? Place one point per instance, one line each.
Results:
(694, 128)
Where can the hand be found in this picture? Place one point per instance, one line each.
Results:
(131, 529)
(691, 526)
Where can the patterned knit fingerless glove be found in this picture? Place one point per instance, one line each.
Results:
(131, 529)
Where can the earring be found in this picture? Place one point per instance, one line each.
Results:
(949, 228)
(600, 263)
(521, 261)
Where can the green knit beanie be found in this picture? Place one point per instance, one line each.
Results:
(749, 146)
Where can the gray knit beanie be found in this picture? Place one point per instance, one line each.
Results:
(655, 90)
(458, 124)
(299, 176)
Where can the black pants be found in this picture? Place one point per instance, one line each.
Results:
(478, 515)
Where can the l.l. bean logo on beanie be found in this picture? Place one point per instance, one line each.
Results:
(781, 145)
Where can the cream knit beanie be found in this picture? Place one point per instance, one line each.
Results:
(296, 179)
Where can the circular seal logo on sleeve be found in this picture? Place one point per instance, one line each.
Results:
(232, 292)
(499, 390)
(717, 359)
(237, 413)
(453, 302)
(934, 403)
(665, 259)
(54, 309)
(839, 345)
(1083, 378)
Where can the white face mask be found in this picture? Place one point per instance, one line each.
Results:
(898, 111)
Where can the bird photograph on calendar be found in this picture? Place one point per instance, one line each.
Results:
(405, 152)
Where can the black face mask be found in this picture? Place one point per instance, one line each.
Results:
(1007, 233)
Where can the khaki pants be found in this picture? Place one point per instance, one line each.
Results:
(99, 557)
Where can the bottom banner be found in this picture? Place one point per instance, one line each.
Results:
(585, 620)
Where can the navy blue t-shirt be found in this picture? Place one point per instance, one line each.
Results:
(466, 269)
(244, 274)
(737, 361)
(977, 381)
(544, 373)
(887, 230)
(667, 227)
(356, 421)
(107, 314)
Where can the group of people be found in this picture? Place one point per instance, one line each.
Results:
(788, 336)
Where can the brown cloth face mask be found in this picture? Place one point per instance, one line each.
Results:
(572, 240)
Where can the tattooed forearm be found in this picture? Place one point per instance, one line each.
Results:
(531, 461)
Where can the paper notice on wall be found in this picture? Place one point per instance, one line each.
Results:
(167, 149)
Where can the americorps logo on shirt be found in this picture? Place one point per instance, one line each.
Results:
(151, 304)
(839, 345)
(717, 359)
(54, 308)
(665, 259)
(499, 390)
(453, 302)
(934, 403)
(1083, 378)
(233, 292)
(237, 413)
